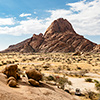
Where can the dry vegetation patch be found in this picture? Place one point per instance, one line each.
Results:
(69, 65)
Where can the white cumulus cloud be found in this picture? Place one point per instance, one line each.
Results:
(7, 21)
(84, 17)
(86, 20)
(35, 12)
(29, 26)
(24, 15)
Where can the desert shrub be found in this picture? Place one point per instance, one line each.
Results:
(13, 62)
(89, 62)
(16, 60)
(59, 68)
(8, 62)
(24, 67)
(82, 73)
(79, 68)
(62, 81)
(40, 59)
(91, 95)
(69, 83)
(23, 59)
(50, 78)
(33, 58)
(68, 69)
(47, 59)
(98, 59)
(56, 71)
(45, 67)
(4, 63)
(96, 64)
(96, 81)
(75, 74)
(97, 85)
(88, 80)
(69, 62)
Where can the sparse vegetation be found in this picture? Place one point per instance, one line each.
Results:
(91, 95)
(97, 85)
(89, 80)
(58, 68)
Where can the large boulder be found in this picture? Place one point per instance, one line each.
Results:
(11, 70)
(34, 74)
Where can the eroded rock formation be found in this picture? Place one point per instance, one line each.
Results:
(59, 37)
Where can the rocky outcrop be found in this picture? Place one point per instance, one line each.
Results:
(59, 37)
(36, 41)
(11, 71)
(26, 92)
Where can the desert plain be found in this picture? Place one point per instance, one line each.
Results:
(66, 71)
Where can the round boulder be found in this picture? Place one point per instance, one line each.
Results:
(33, 82)
(10, 78)
(12, 83)
(34, 74)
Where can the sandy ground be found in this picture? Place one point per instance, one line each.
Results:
(26, 92)
(79, 82)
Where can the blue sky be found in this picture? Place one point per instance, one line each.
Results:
(20, 19)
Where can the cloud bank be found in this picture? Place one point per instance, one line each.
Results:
(84, 17)
(7, 21)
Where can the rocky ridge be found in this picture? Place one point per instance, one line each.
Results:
(59, 37)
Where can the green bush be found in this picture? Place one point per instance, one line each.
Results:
(88, 80)
(97, 85)
(62, 81)
(50, 78)
(96, 81)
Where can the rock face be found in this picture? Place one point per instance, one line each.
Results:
(60, 25)
(59, 37)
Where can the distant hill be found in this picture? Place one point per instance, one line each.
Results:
(59, 37)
